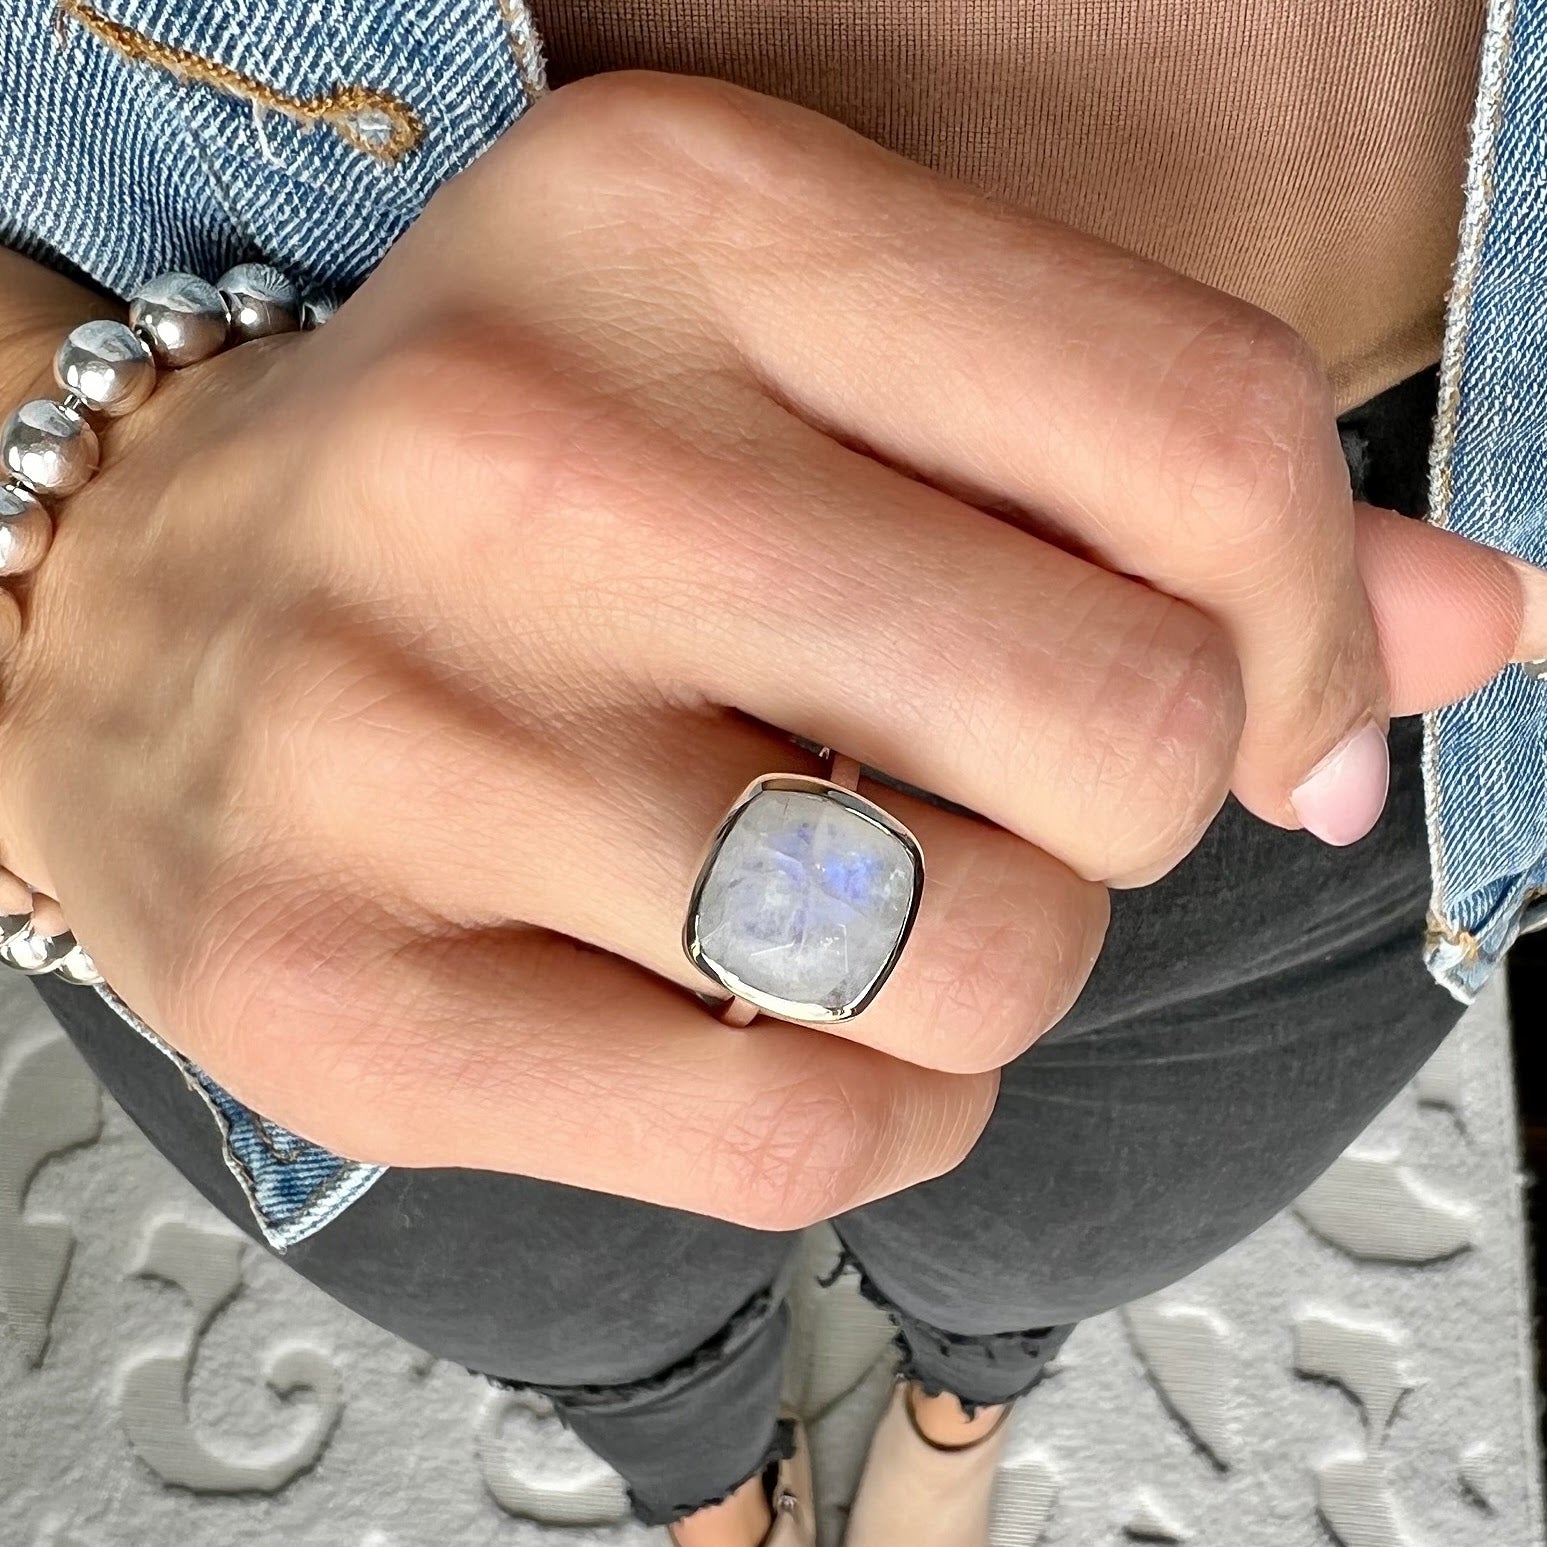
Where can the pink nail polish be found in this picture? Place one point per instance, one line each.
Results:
(1342, 798)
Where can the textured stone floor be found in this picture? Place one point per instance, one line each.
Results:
(1357, 1373)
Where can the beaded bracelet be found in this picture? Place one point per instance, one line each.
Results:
(50, 449)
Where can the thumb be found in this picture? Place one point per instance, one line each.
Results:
(1449, 613)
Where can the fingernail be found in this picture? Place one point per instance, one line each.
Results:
(1341, 799)
(1531, 647)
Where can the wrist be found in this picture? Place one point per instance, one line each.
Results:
(37, 309)
(79, 364)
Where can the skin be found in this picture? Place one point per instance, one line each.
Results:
(377, 699)
(379, 696)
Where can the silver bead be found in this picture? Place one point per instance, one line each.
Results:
(108, 366)
(181, 317)
(261, 301)
(316, 310)
(1537, 670)
(13, 926)
(25, 531)
(48, 448)
(78, 968)
(36, 954)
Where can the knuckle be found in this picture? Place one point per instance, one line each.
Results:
(802, 1153)
(615, 125)
(671, 162)
(1007, 961)
(1159, 754)
(270, 989)
(292, 761)
(339, 740)
(529, 460)
(438, 402)
(1252, 361)
(1249, 422)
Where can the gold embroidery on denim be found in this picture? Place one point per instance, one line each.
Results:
(1441, 933)
(369, 119)
(527, 48)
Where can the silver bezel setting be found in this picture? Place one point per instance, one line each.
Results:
(774, 1004)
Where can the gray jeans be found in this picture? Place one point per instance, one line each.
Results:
(1250, 1014)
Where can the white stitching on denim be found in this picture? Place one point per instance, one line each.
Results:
(526, 46)
(1486, 117)
(233, 1165)
(279, 1238)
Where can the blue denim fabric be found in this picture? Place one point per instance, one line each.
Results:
(329, 124)
(293, 1187)
(125, 170)
(1486, 758)
(117, 167)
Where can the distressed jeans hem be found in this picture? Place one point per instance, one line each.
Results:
(580, 1408)
(979, 1369)
(780, 1448)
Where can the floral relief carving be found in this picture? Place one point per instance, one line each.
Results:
(1328, 1384)
(49, 1104)
(205, 1263)
(1186, 1351)
(535, 1470)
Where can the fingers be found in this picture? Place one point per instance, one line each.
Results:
(516, 1050)
(600, 835)
(1090, 715)
(825, 595)
(1450, 613)
(1166, 429)
(1143, 421)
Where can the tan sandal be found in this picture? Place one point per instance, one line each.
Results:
(916, 1493)
(794, 1500)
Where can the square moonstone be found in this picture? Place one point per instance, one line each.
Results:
(805, 900)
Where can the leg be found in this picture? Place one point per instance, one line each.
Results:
(1196, 1087)
(1193, 1092)
(658, 1334)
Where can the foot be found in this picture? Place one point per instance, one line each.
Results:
(929, 1476)
(942, 1421)
(742, 1520)
(777, 1508)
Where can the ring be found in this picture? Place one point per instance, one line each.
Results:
(805, 898)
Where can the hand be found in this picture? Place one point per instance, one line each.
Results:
(379, 697)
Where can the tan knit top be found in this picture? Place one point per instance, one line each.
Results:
(1307, 155)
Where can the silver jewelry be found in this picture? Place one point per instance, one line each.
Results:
(316, 310)
(181, 317)
(107, 366)
(49, 450)
(259, 301)
(25, 530)
(36, 954)
(805, 898)
(77, 967)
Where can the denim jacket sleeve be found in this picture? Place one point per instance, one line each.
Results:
(142, 135)
(1486, 757)
(138, 136)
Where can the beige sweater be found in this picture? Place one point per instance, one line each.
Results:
(1305, 154)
